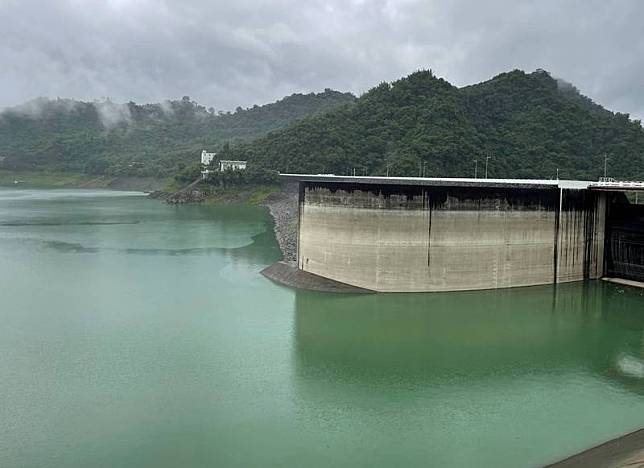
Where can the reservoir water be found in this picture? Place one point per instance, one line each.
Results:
(133, 333)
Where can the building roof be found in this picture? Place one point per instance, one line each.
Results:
(442, 181)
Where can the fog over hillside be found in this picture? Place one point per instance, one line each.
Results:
(104, 137)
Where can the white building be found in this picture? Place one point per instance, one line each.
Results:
(227, 165)
(207, 157)
(224, 165)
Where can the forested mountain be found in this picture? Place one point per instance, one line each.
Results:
(146, 140)
(529, 125)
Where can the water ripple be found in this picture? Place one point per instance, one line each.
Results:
(79, 223)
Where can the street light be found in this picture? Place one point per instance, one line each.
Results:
(476, 168)
(486, 160)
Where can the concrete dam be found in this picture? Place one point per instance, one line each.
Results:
(391, 234)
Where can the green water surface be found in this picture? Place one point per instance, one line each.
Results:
(137, 334)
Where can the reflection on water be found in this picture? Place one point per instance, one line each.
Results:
(630, 366)
(517, 377)
(89, 222)
(140, 334)
(538, 331)
(78, 223)
(262, 250)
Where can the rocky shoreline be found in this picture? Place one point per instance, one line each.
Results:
(284, 210)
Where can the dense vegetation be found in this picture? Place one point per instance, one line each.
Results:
(529, 125)
(157, 140)
(253, 175)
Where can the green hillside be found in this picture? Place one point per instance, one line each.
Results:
(157, 140)
(529, 124)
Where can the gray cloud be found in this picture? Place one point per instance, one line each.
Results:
(225, 54)
(112, 114)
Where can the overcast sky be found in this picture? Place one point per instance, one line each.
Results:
(225, 53)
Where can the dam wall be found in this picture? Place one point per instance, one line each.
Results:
(580, 241)
(404, 238)
(625, 241)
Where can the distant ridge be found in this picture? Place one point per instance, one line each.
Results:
(524, 125)
(529, 124)
(106, 138)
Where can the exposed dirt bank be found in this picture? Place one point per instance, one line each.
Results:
(143, 184)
